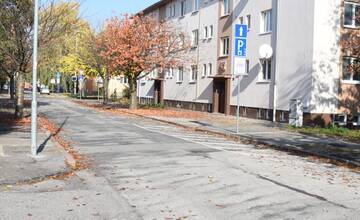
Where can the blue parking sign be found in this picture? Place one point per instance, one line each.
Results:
(240, 41)
(240, 47)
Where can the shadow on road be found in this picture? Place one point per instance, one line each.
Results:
(42, 146)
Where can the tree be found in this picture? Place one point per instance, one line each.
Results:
(86, 58)
(96, 64)
(50, 57)
(16, 24)
(138, 45)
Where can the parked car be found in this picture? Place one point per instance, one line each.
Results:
(45, 90)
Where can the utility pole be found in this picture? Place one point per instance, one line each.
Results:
(34, 82)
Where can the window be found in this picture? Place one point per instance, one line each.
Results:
(266, 69)
(196, 5)
(172, 11)
(351, 10)
(183, 8)
(225, 45)
(260, 113)
(206, 32)
(282, 116)
(351, 69)
(248, 21)
(195, 38)
(267, 114)
(171, 72)
(204, 72)
(193, 76)
(126, 80)
(210, 69)
(211, 31)
(241, 20)
(266, 23)
(226, 7)
(180, 75)
(244, 111)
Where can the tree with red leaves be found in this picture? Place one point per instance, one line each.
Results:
(138, 45)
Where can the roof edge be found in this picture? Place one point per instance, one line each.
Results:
(153, 7)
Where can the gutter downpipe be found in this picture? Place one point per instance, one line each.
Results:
(276, 57)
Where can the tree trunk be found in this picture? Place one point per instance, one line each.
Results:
(12, 87)
(133, 95)
(19, 107)
(106, 88)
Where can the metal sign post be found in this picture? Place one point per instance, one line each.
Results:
(81, 84)
(34, 82)
(239, 62)
(58, 80)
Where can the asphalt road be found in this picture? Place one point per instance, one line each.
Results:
(143, 169)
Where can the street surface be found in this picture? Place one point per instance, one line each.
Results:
(142, 169)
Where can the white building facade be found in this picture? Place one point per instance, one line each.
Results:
(307, 61)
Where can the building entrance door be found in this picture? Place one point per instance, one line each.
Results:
(219, 96)
(157, 92)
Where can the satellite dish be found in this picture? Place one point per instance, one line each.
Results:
(265, 51)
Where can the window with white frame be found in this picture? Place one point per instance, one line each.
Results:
(204, 70)
(206, 32)
(196, 5)
(195, 38)
(266, 70)
(351, 69)
(183, 8)
(351, 10)
(193, 73)
(260, 113)
(266, 21)
(282, 116)
(225, 45)
(225, 7)
(211, 31)
(171, 73)
(172, 10)
(180, 75)
(267, 114)
(248, 21)
(209, 69)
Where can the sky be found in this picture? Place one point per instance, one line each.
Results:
(97, 11)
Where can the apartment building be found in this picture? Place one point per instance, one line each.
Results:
(308, 62)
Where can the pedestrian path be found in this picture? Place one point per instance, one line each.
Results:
(16, 162)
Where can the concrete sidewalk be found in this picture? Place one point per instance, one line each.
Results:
(16, 163)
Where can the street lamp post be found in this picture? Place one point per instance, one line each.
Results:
(34, 82)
